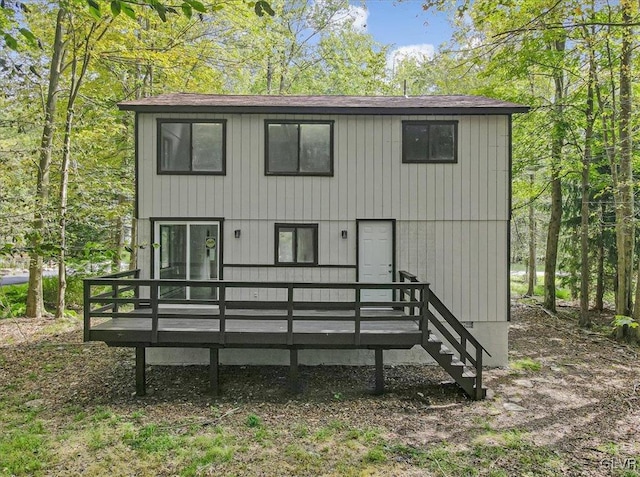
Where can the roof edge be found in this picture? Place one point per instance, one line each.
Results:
(324, 110)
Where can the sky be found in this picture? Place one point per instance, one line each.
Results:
(403, 24)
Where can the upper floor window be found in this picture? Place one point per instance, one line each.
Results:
(296, 244)
(429, 141)
(191, 147)
(299, 148)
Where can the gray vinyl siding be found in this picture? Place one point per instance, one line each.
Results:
(452, 219)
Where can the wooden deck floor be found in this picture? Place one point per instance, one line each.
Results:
(311, 328)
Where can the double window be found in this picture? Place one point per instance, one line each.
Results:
(299, 148)
(191, 147)
(296, 244)
(430, 141)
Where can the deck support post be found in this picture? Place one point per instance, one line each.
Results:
(294, 381)
(141, 388)
(214, 376)
(379, 389)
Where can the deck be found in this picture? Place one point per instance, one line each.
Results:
(268, 328)
(124, 310)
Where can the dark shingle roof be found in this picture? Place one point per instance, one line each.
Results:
(215, 103)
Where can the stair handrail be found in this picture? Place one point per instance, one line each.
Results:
(448, 316)
(465, 336)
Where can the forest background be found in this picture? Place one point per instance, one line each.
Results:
(67, 154)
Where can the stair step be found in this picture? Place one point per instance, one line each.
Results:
(445, 350)
(469, 373)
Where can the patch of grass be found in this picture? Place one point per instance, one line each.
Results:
(328, 431)
(525, 364)
(205, 451)
(304, 460)
(376, 455)
(97, 439)
(300, 430)
(510, 446)
(519, 286)
(253, 421)
(367, 435)
(150, 439)
(610, 448)
(23, 451)
(102, 414)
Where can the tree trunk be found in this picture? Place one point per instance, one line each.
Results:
(74, 88)
(35, 302)
(64, 188)
(133, 259)
(557, 142)
(624, 191)
(585, 319)
(600, 275)
(531, 266)
(118, 237)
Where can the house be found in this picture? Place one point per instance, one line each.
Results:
(330, 189)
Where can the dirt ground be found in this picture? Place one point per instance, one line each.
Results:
(571, 398)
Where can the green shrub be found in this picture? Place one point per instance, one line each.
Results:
(13, 300)
(253, 421)
(74, 294)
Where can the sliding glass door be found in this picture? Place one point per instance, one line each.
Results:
(187, 251)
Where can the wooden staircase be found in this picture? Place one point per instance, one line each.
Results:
(441, 331)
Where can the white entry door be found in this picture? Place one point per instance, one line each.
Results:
(375, 257)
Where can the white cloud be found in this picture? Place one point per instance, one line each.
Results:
(419, 53)
(350, 15)
(357, 16)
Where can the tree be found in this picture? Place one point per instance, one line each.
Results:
(35, 303)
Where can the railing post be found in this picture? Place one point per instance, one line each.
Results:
(424, 311)
(87, 309)
(357, 316)
(154, 311)
(290, 314)
(412, 297)
(222, 311)
(478, 390)
(463, 354)
(114, 294)
(136, 290)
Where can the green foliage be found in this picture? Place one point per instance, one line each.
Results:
(13, 299)
(620, 321)
(74, 293)
(526, 364)
(253, 421)
(162, 9)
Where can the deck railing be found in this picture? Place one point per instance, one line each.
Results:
(107, 297)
